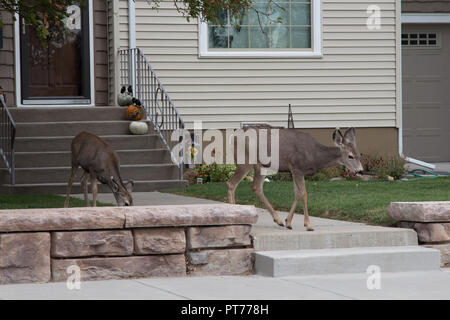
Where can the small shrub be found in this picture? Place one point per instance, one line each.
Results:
(217, 172)
(393, 166)
(280, 176)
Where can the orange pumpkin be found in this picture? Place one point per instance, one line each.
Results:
(135, 112)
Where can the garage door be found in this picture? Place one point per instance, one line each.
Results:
(426, 91)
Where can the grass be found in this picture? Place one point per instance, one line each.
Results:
(31, 201)
(355, 201)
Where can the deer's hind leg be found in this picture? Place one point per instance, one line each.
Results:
(257, 188)
(84, 187)
(69, 185)
(232, 183)
(94, 188)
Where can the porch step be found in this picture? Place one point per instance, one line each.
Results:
(43, 142)
(62, 174)
(60, 188)
(346, 260)
(62, 143)
(71, 128)
(60, 114)
(63, 158)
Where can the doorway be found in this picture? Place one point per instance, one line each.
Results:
(57, 72)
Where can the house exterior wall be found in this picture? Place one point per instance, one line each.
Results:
(425, 6)
(7, 59)
(355, 83)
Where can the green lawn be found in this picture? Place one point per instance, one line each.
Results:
(28, 201)
(343, 200)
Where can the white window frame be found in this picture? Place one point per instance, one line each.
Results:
(314, 52)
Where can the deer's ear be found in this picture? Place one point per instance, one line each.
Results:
(349, 136)
(337, 137)
(129, 186)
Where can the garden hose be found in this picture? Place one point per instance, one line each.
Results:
(425, 174)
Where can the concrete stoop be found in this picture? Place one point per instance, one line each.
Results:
(346, 260)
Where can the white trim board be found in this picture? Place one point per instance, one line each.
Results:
(18, 80)
(425, 18)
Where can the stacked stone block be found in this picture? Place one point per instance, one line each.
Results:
(431, 221)
(39, 245)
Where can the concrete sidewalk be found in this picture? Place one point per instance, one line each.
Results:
(405, 285)
(267, 235)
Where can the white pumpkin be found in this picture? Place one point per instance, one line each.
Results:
(138, 127)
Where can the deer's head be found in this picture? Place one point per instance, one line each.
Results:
(122, 191)
(350, 156)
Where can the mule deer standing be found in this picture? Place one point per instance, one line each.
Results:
(99, 162)
(301, 155)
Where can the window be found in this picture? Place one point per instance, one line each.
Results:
(289, 28)
(420, 39)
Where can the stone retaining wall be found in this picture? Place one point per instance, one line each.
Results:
(39, 245)
(431, 221)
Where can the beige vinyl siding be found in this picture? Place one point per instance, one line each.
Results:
(353, 84)
(7, 76)
(123, 21)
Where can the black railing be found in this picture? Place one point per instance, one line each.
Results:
(7, 136)
(135, 70)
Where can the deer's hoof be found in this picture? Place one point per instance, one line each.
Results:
(309, 229)
(289, 227)
(281, 224)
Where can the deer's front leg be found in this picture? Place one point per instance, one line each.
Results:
(298, 196)
(299, 181)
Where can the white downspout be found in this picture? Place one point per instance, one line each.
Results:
(132, 41)
(131, 24)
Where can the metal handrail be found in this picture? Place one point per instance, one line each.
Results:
(135, 70)
(7, 137)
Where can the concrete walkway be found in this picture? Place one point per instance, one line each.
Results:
(405, 285)
(267, 235)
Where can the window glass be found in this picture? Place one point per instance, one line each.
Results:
(272, 25)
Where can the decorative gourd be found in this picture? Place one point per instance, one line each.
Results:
(138, 127)
(135, 112)
(125, 98)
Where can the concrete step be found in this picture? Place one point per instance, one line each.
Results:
(63, 158)
(60, 188)
(347, 260)
(345, 236)
(62, 174)
(62, 143)
(58, 129)
(55, 114)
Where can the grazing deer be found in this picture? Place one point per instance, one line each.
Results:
(301, 155)
(99, 162)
